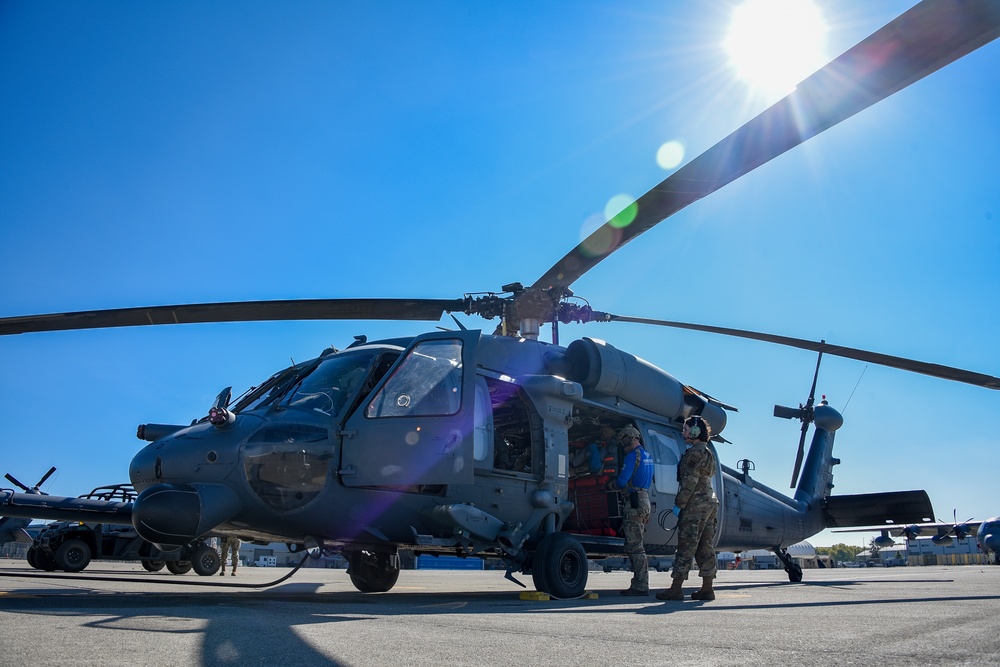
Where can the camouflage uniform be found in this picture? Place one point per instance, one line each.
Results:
(699, 513)
(634, 528)
(230, 542)
(634, 479)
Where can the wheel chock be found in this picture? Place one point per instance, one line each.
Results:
(535, 595)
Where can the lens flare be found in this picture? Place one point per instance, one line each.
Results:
(621, 211)
(670, 155)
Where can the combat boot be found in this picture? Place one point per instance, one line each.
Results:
(674, 592)
(706, 592)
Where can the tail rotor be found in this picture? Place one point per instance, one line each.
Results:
(805, 413)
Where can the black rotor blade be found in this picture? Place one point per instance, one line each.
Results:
(923, 367)
(924, 39)
(16, 482)
(799, 454)
(237, 311)
(807, 418)
(45, 477)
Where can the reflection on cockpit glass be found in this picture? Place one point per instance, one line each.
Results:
(320, 385)
(427, 382)
(331, 384)
(266, 393)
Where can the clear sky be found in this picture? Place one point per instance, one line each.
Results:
(185, 152)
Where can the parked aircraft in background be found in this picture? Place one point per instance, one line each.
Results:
(987, 533)
(12, 529)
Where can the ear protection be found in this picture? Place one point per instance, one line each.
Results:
(694, 427)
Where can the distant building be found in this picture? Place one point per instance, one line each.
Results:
(803, 553)
(924, 552)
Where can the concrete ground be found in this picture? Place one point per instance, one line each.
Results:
(900, 616)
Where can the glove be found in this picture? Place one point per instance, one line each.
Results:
(676, 510)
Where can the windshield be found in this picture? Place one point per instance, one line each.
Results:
(328, 387)
(272, 389)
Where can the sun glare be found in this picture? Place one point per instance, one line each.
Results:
(775, 44)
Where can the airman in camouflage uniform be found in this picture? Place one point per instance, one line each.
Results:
(634, 479)
(230, 543)
(697, 508)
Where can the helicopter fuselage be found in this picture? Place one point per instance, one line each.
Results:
(457, 442)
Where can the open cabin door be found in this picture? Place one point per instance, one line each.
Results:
(416, 427)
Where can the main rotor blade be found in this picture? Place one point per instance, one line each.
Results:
(934, 370)
(239, 311)
(917, 43)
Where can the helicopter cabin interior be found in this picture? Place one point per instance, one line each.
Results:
(594, 457)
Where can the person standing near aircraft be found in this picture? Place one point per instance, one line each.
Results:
(633, 481)
(230, 543)
(697, 510)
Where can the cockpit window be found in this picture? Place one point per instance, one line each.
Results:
(321, 385)
(272, 389)
(427, 382)
(329, 386)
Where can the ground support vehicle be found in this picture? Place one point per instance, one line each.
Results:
(71, 545)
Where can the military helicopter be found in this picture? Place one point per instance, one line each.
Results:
(460, 442)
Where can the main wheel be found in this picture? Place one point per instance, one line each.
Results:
(794, 573)
(560, 566)
(179, 566)
(73, 555)
(152, 565)
(372, 572)
(205, 561)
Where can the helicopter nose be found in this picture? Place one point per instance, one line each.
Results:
(174, 514)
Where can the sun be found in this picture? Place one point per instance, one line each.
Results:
(775, 44)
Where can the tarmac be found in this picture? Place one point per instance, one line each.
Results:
(937, 615)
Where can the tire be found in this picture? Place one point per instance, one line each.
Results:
(73, 555)
(152, 565)
(373, 572)
(179, 566)
(560, 566)
(43, 561)
(32, 560)
(205, 561)
(794, 573)
(538, 572)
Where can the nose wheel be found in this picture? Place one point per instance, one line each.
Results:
(372, 571)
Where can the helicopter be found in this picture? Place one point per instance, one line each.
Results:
(416, 464)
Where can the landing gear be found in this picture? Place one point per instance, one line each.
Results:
(793, 569)
(372, 571)
(559, 566)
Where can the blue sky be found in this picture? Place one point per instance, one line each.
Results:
(190, 152)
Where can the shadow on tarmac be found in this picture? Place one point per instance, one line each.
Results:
(236, 624)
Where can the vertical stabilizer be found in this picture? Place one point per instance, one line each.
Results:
(816, 481)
